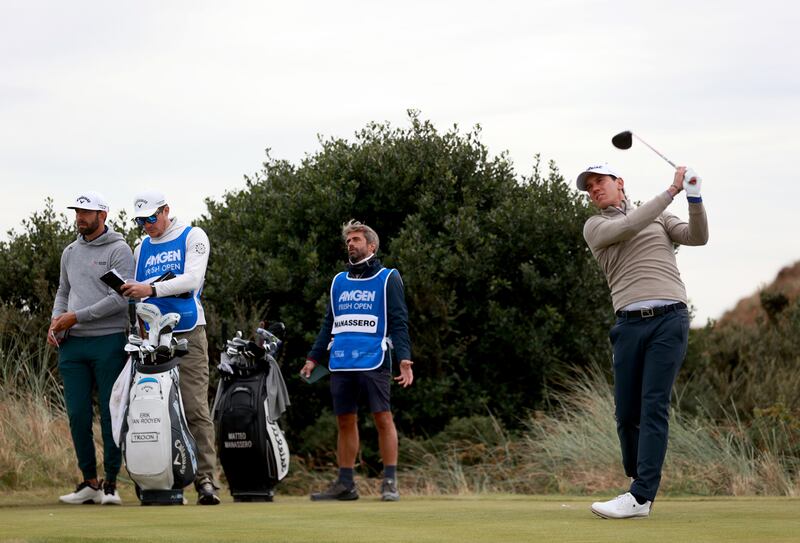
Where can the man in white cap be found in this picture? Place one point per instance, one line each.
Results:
(89, 327)
(171, 246)
(635, 249)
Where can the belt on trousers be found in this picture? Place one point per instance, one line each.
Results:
(647, 312)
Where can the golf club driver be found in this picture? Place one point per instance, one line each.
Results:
(624, 140)
(150, 314)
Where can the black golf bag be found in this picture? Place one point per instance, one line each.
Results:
(158, 448)
(252, 448)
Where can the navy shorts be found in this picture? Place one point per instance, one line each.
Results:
(348, 388)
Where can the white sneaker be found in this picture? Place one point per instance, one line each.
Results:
(84, 493)
(623, 506)
(110, 494)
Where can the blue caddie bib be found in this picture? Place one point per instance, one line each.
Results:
(156, 259)
(359, 322)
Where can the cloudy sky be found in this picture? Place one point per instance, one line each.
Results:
(185, 96)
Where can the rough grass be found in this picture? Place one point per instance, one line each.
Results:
(574, 450)
(571, 449)
(35, 444)
(493, 518)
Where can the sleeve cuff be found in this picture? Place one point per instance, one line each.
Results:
(695, 199)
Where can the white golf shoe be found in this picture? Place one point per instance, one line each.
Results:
(623, 506)
(110, 494)
(84, 494)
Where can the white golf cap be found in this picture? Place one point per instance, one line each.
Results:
(599, 168)
(91, 200)
(146, 203)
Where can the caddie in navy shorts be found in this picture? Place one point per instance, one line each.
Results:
(348, 388)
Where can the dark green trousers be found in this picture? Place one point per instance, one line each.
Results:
(86, 363)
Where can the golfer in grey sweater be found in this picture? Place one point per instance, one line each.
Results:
(88, 327)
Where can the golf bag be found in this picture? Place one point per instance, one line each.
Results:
(158, 448)
(250, 398)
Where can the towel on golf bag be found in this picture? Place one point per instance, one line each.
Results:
(118, 402)
(277, 395)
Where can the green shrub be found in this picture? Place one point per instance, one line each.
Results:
(504, 296)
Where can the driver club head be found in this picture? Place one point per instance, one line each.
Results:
(623, 140)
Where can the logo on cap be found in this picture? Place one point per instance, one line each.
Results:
(140, 203)
(84, 200)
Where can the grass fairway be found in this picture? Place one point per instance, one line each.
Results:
(417, 519)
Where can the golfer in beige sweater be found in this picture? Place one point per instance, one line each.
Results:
(635, 247)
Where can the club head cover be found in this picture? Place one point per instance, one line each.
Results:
(277, 329)
(150, 314)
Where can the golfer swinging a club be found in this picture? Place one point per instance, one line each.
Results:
(635, 249)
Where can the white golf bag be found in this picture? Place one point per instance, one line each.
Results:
(158, 448)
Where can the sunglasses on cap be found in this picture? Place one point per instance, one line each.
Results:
(149, 220)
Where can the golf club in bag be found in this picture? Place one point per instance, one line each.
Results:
(624, 140)
(158, 448)
(251, 396)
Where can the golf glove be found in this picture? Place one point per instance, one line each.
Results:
(692, 189)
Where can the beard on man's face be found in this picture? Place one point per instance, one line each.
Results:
(88, 227)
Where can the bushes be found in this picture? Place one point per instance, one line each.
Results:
(746, 367)
(503, 294)
(505, 302)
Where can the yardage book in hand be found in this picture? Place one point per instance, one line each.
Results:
(113, 279)
(317, 373)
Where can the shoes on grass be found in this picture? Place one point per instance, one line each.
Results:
(85, 493)
(389, 491)
(110, 494)
(206, 493)
(623, 506)
(337, 491)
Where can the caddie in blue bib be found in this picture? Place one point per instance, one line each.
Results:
(359, 322)
(156, 259)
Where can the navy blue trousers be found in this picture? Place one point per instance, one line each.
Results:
(648, 352)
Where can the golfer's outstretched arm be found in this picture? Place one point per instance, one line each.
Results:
(600, 231)
(693, 233)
